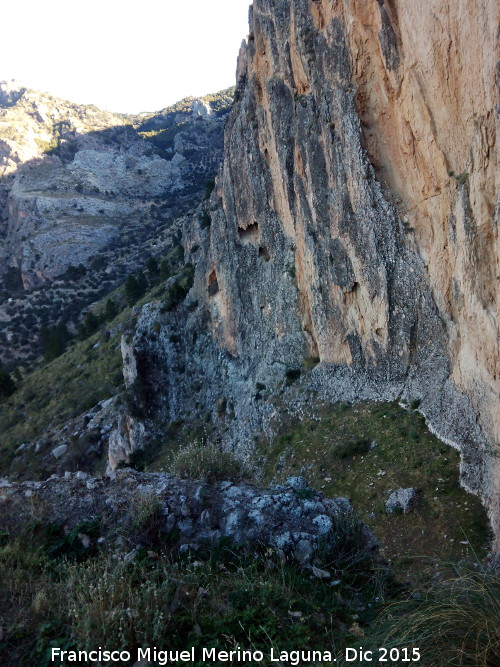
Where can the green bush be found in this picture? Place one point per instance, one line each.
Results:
(111, 310)
(209, 188)
(135, 287)
(292, 375)
(177, 292)
(152, 267)
(90, 323)
(310, 362)
(347, 449)
(205, 220)
(53, 340)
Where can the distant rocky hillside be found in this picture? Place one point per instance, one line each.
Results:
(86, 196)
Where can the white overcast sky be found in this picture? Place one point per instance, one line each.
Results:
(121, 55)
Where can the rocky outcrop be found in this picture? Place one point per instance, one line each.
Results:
(352, 229)
(293, 519)
(350, 248)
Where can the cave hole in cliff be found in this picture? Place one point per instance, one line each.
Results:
(351, 289)
(249, 234)
(264, 253)
(259, 93)
(213, 283)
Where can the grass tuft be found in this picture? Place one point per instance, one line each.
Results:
(208, 462)
(456, 623)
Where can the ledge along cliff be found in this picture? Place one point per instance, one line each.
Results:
(353, 230)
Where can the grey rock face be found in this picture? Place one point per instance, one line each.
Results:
(125, 438)
(200, 512)
(402, 500)
(296, 483)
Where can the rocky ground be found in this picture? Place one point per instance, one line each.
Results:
(291, 517)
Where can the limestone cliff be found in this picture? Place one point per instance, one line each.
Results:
(353, 228)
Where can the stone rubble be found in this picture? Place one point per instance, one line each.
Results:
(197, 512)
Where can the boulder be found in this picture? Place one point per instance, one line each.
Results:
(401, 500)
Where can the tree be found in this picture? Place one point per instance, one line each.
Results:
(152, 267)
(91, 323)
(54, 340)
(165, 271)
(111, 310)
(135, 287)
(7, 385)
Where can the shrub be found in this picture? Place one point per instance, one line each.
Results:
(177, 292)
(91, 323)
(348, 449)
(147, 518)
(292, 375)
(310, 363)
(53, 340)
(209, 188)
(135, 287)
(113, 603)
(111, 310)
(152, 267)
(74, 272)
(208, 462)
(205, 220)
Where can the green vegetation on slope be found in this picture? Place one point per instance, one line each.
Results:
(88, 372)
(54, 593)
(57, 592)
(366, 451)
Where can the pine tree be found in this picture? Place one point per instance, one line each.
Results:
(111, 310)
(7, 385)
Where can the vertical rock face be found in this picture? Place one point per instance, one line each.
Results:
(426, 95)
(353, 224)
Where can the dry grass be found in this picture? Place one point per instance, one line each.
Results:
(221, 596)
(208, 462)
(457, 623)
